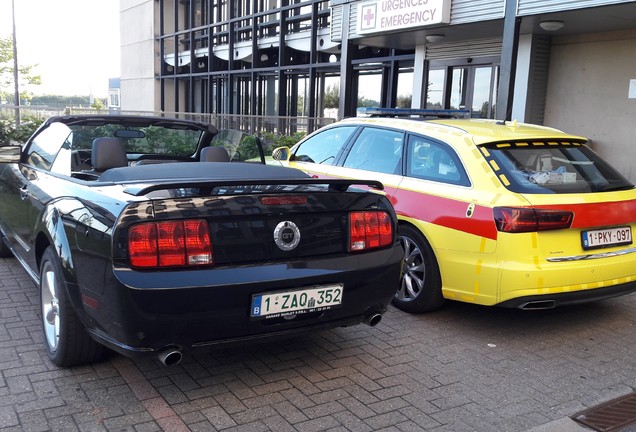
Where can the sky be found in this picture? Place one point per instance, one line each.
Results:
(74, 43)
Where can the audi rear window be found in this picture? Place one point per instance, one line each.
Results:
(552, 167)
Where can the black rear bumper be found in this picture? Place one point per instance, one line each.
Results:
(144, 313)
(548, 301)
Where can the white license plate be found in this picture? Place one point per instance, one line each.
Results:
(305, 300)
(607, 237)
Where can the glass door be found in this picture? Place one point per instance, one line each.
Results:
(472, 87)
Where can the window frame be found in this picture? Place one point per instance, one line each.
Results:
(339, 154)
(352, 142)
(464, 179)
(57, 161)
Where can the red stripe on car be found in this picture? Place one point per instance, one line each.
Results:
(444, 212)
(599, 213)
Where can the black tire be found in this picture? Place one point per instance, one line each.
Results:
(420, 287)
(5, 252)
(67, 341)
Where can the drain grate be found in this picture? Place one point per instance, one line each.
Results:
(609, 416)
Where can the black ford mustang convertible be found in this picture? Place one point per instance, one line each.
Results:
(152, 236)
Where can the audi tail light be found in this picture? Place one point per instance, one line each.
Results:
(524, 219)
(369, 230)
(170, 244)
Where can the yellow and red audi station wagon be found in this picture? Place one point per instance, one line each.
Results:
(490, 212)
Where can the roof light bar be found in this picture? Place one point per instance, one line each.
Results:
(412, 112)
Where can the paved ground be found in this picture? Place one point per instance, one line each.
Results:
(464, 368)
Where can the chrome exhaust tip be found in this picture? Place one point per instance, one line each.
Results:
(170, 357)
(373, 319)
(539, 305)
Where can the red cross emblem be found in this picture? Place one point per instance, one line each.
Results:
(368, 16)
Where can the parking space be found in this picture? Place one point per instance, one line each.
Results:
(462, 368)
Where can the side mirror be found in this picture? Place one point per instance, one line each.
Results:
(10, 154)
(281, 153)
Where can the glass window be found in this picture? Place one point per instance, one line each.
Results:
(323, 148)
(482, 92)
(45, 146)
(378, 150)
(435, 90)
(432, 160)
(459, 82)
(554, 167)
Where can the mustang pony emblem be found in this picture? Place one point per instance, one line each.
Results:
(286, 235)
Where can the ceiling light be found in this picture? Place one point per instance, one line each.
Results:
(434, 38)
(551, 25)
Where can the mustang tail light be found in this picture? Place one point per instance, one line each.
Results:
(369, 230)
(523, 219)
(170, 244)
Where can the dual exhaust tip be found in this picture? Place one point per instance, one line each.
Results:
(170, 356)
(173, 356)
(373, 319)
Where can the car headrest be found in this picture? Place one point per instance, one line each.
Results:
(108, 153)
(214, 154)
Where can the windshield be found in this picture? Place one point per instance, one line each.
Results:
(553, 167)
(144, 140)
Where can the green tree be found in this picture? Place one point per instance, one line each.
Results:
(404, 101)
(97, 104)
(364, 102)
(6, 72)
(332, 96)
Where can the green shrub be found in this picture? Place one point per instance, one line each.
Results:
(9, 133)
(271, 141)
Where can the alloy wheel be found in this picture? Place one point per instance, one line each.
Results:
(414, 271)
(50, 306)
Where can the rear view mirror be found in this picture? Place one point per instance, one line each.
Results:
(281, 154)
(10, 154)
(129, 133)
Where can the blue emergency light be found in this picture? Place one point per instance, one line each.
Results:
(413, 112)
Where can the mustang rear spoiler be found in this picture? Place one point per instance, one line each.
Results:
(339, 185)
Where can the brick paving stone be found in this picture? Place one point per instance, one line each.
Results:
(204, 426)
(254, 415)
(356, 408)
(230, 403)
(151, 426)
(8, 417)
(386, 420)
(352, 422)
(417, 417)
(291, 412)
(322, 410)
(302, 384)
(218, 417)
(297, 398)
(388, 405)
(263, 400)
(461, 368)
(327, 396)
(172, 394)
(279, 424)
(318, 424)
(194, 405)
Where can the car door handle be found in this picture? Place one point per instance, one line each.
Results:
(24, 193)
